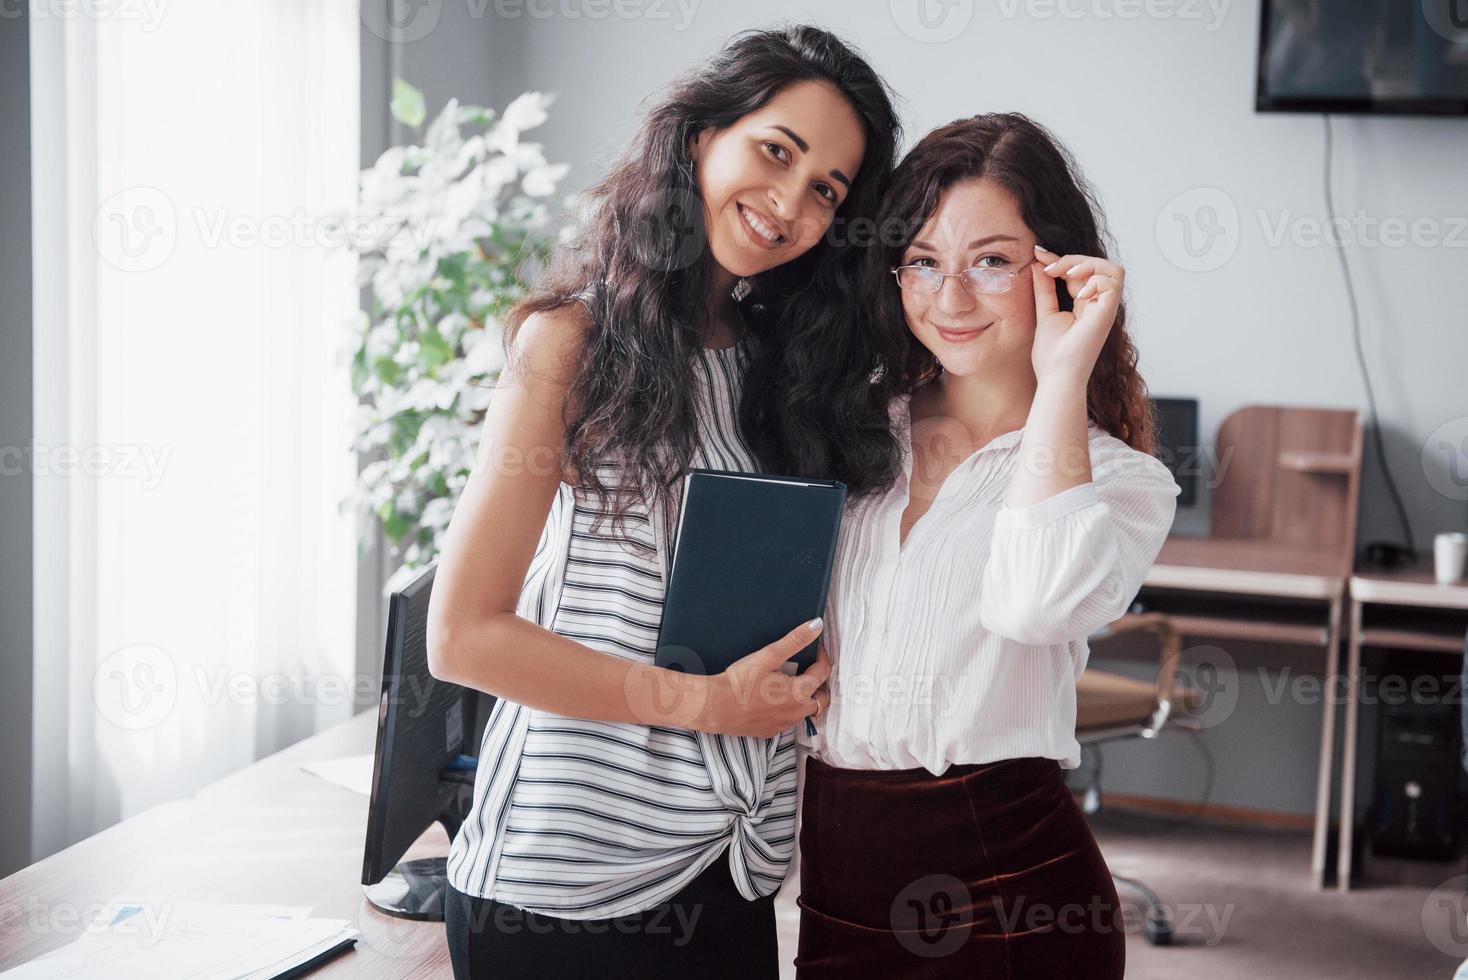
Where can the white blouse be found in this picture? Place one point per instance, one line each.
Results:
(964, 644)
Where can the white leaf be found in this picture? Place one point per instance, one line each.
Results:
(541, 182)
(438, 512)
(527, 111)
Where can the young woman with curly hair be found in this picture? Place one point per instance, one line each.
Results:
(938, 838)
(630, 821)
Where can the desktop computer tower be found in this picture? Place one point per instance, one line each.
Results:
(1416, 808)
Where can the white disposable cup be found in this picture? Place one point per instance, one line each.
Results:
(1450, 554)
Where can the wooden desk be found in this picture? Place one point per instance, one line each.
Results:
(268, 834)
(1411, 588)
(1270, 570)
(1247, 568)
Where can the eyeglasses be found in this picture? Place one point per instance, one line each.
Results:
(979, 279)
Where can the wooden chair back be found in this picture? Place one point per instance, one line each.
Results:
(1289, 476)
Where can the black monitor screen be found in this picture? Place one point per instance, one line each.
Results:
(1406, 56)
(423, 726)
(1177, 443)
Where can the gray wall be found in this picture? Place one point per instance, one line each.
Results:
(16, 420)
(1153, 107)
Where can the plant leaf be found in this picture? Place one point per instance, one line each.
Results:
(408, 107)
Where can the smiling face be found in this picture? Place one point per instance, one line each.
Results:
(976, 223)
(772, 181)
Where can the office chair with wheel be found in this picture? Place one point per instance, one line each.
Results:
(1111, 707)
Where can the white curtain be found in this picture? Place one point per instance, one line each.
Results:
(194, 578)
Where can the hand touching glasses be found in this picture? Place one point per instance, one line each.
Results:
(1070, 341)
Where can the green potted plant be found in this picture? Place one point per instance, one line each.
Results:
(452, 226)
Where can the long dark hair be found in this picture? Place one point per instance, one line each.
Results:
(642, 266)
(1056, 203)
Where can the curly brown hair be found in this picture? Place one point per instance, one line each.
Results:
(641, 265)
(1056, 203)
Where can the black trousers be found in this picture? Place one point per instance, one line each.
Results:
(708, 931)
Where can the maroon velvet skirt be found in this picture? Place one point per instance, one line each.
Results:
(986, 871)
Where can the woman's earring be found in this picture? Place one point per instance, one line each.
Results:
(742, 288)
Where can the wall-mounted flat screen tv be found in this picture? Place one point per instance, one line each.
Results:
(1363, 56)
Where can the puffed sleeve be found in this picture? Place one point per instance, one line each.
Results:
(1063, 568)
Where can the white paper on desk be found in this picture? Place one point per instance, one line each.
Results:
(144, 939)
(306, 955)
(352, 771)
(290, 945)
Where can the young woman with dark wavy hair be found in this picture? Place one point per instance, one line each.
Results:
(630, 821)
(938, 838)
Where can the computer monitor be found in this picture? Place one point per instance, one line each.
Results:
(426, 731)
(1177, 443)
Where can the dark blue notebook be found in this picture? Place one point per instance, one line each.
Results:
(752, 561)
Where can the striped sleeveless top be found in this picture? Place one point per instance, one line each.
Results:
(583, 819)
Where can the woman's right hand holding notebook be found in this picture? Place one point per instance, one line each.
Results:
(756, 696)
